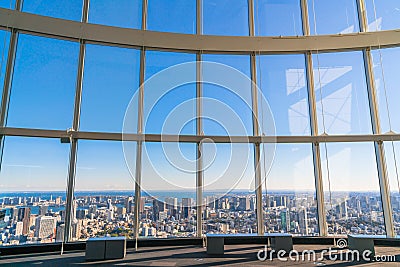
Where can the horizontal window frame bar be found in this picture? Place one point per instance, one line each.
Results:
(73, 30)
(170, 138)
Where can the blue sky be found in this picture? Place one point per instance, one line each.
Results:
(43, 88)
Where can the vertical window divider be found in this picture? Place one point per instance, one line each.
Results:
(75, 127)
(376, 129)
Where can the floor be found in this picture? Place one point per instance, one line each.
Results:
(235, 255)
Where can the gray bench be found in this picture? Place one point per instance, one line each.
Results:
(105, 248)
(363, 243)
(279, 241)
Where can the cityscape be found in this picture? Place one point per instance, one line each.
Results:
(38, 217)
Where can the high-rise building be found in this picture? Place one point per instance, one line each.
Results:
(285, 220)
(186, 207)
(128, 204)
(45, 227)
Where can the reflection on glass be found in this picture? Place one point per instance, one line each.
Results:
(124, 13)
(224, 17)
(282, 81)
(63, 9)
(392, 152)
(170, 93)
(331, 17)
(172, 16)
(104, 189)
(351, 188)
(33, 180)
(229, 189)
(168, 202)
(386, 65)
(383, 14)
(111, 79)
(341, 93)
(227, 95)
(274, 18)
(43, 86)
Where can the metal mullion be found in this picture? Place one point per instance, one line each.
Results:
(138, 163)
(257, 149)
(379, 147)
(304, 17)
(199, 17)
(376, 128)
(199, 165)
(319, 189)
(75, 127)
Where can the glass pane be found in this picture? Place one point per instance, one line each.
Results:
(172, 16)
(331, 17)
(224, 17)
(227, 108)
(229, 188)
(386, 65)
(168, 206)
(111, 79)
(125, 13)
(277, 17)
(351, 188)
(10, 4)
(43, 87)
(282, 80)
(104, 190)
(341, 93)
(33, 181)
(169, 93)
(392, 152)
(383, 14)
(289, 200)
(4, 42)
(63, 9)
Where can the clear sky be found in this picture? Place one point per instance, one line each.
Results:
(43, 88)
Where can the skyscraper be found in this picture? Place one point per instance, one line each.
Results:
(45, 227)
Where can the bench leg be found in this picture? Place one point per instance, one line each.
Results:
(215, 246)
(284, 243)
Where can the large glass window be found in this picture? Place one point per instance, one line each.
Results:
(172, 16)
(124, 13)
(275, 18)
(386, 63)
(170, 93)
(282, 81)
(63, 9)
(341, 93)
(392, 152)
(111, 79)
(351, 188)
(383, 14)
(168, 200)
(227, 103)
(33, 180)
(289, 190)
(104, 189)
(224, 17)
(229, 188)
(331, 17)
(43, 86)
